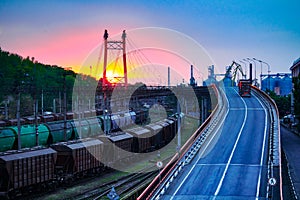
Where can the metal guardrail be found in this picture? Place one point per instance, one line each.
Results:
(274, 158)
(162, 181)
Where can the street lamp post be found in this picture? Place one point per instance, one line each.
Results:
(260, 71)
(268, 74)
(269, 70)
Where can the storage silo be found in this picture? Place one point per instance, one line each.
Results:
(268, 83)
(286, 85)
(277, 83)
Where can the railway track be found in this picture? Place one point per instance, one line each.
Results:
(122, 186)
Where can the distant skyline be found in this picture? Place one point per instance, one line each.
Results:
(63, 33)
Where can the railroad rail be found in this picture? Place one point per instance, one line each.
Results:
(122, 186)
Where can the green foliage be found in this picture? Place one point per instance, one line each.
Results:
(296, 92)
(283, 103)
(31, 79)
(296, 82)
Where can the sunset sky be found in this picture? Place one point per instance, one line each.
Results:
(64, 33)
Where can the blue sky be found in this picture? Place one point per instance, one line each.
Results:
(228, 30)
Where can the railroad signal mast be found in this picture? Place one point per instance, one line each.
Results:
(115, 45)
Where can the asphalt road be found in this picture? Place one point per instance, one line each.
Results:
(291, 146)
(233, 164)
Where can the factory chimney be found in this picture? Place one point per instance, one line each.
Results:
(192, 79)
(169, 75)
(250, 72)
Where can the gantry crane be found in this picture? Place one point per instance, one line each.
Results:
(235, 67)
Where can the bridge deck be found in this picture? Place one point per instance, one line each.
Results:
(233, 164)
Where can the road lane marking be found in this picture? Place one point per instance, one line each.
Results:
(200, 156)
(262, 151)
(233, 150)
(222, 164)
(247, 109)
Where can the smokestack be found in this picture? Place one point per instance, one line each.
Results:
(250, 72)
(192, 79)
(169, 75)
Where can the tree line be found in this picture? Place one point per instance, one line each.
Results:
(30, 79)
(296, 91)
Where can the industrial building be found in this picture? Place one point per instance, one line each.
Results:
(280, 83)
(295, 68)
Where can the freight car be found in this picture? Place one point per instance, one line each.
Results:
(118, 147)
(28, 135)
(51, 132)
(157, 133)
(7, 138)
(171, 130)
(166, 130)
(119, 121)
(141, 139)
(77, 158)
(57, 131)
(27, 170)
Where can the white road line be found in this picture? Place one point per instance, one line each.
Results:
(247, 109)
(262, 151)
(221, 164)
(200, 156)
(232, 152)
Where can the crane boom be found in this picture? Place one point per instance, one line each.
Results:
(236, 69)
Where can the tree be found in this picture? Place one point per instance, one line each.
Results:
(282, 102)
(296, 92)
(30, 77)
